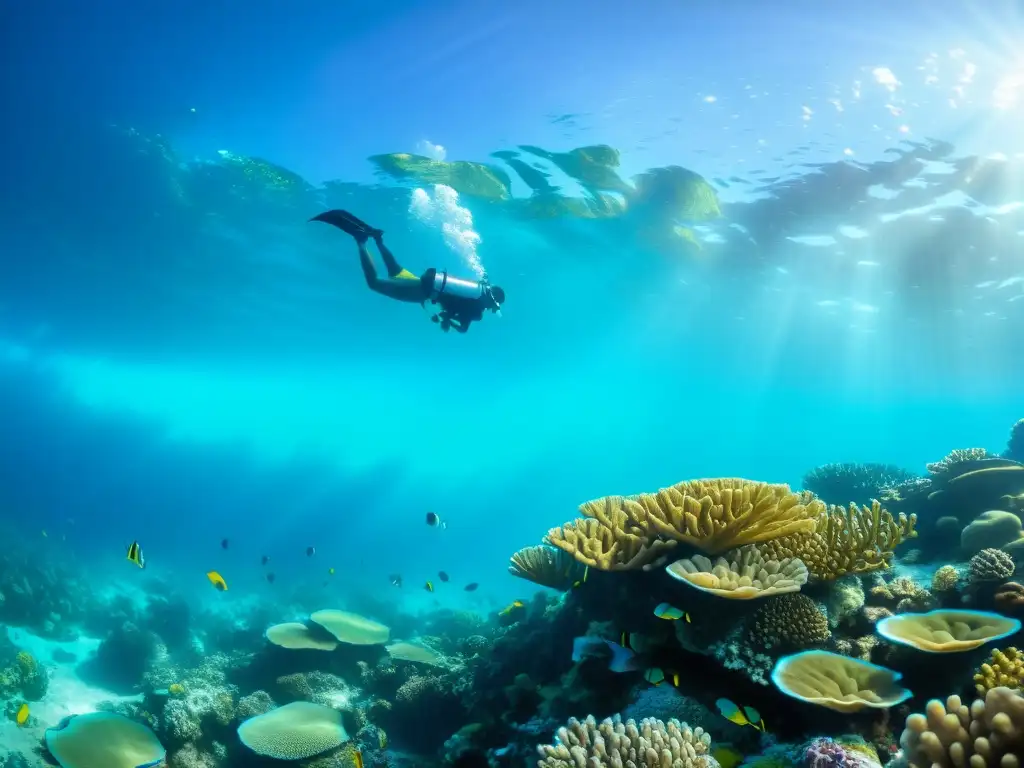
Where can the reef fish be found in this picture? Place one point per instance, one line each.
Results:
(657, 676)
(217, 580)
(429, 586)
(623, 659)
(671, 613)
(271, 577)
(265, 559)
(357, 759)
(471, 587)
(223, 543)
(442, 576)
(382, 739)
(396, 579)
(746, 716)
(434, 521)
(310, 551)
(135, 555)
(514, 606)
(22, 717)
(582, 581)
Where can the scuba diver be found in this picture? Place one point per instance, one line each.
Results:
(461, 301)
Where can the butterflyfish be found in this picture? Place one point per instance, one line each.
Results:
(135, 554)
(22, 717)
(434, 521)
(671, 613)
(218, 581)
(429, 586)
(514, 606)
(623, 659)
(746, 716)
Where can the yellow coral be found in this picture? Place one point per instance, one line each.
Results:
(1004, 669)
(854, 540)
(27, 664)
(609, 542)
(176, 689)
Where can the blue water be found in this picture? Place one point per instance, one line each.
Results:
(178, 369)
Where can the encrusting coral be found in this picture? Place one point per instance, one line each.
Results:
(854, 540)
(621, 533)
(650, 743)
(988, 734)
(789, 621)
(1004, 669)
(742, 574)
(547, 566)
(991, 565)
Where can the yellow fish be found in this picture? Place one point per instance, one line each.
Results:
(135, 555)
(429, 586)
(580, 582)
(217, 580)
(382, 739)
(516, 604)
(671, 613)
(357, 759)
(22, 717)
(746, 716)
(727, 756)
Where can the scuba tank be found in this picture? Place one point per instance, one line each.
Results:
(439, 285)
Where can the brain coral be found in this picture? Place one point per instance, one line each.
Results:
(988, 734)
(991, 565)
(788, 621)
(295, 731)
(649, 744)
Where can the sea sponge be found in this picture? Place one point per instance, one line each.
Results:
(295, 731)
(103, 740)
(295, 635)
(991, 529)
(1005, 668)
(946, 631)
(650, 743)
(945, 578)
(351, 628)
(854, 540)
(547, 566)
(838, 682)
(789, 621)
(991, 565)
(743, 574)
(989, 734)
(414, 652)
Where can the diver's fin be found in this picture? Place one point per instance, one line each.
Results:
(348, 223)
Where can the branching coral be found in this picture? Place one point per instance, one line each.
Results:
(648, 744)
(789, 621)
(547, 566)
(854, 540)
(1005, 668)
(988, 734)
(620, 533)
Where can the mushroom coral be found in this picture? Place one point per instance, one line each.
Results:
(838, 682)
(946, 630)
(351, 628)
(716, 515)
(297, 636)
(988, 734)
(295, 731)
(743, 574)
(103, 740)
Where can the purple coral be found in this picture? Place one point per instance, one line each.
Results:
(825, 753)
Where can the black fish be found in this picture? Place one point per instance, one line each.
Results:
(434, 521)
(310, 551)
(442, 576)
(223, 543)
(271, 577)
(265, 559)
(471, 587)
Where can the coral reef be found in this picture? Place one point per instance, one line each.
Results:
(648, 744)
(846, 483)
